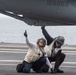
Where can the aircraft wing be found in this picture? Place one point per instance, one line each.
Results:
(41, 12)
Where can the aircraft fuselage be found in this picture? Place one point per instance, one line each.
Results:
(63, 10)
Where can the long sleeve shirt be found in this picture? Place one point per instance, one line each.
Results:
(47, 36)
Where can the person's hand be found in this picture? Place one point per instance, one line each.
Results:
(43, 27)
(25, 33)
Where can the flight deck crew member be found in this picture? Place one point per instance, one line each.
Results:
(36, 56)
(54, 51)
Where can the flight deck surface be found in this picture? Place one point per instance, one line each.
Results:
(12, 54)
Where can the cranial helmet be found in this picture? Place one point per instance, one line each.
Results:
(60, 39)
(41, 39)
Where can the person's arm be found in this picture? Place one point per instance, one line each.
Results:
(31, 45)
(47, 36)
(48, 63)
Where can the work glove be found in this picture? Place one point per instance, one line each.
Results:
(42, 27)
(25, 33)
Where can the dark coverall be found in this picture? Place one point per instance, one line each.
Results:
(58, 58)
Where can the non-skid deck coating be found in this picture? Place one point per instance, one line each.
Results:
(13, 53)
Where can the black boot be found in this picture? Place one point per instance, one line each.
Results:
(58, 71)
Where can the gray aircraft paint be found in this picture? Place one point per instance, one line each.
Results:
(42, 12)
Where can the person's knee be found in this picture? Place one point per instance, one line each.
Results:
(19, 68)
(45, 68)
(44, 60)
(63, 56)
(25, 70)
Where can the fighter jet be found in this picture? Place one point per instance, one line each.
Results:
(41, 12)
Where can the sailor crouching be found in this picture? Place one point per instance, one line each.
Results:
(35, 57)
(54, 51)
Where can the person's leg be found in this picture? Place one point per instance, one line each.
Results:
(45, 67)
(27, 67)
(60, 62)
(62, 58)
(56, 66)
(38, 64)
(19, 68)
(59, 59)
